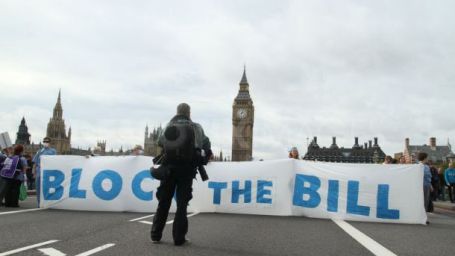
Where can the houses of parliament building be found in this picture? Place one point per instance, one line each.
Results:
(242, 132)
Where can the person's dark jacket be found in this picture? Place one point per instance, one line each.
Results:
(201, 141)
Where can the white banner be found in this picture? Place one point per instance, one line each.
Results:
(360, 192)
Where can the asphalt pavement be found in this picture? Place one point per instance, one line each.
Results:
(28, 231)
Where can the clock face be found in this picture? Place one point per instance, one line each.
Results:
(241, 113)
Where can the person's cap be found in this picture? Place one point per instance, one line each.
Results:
(47, 140)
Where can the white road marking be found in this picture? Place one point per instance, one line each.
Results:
(27, 248)
(169, 222)
(51, 252)
(189, 215)
(141, 218)
(95, 250)
(363, 239)
(20, 211)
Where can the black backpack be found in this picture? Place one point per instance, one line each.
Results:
(178, 143)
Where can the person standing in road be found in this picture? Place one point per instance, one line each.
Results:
(183, 143)
(45, 151)
(449, 177)
(427, 188)
(12, 173)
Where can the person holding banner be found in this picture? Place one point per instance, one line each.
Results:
(183, 143)
(46, 150)
(427, 188)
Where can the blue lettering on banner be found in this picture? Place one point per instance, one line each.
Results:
(136, 186)
(75, 192)
(332, 198)
(217, 187)
(56, 184)
(300, 190)
(262, 192)
(383, 211)
(116, 181)
(352, 201)
(237, 192)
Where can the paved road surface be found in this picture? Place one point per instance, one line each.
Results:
(78, 233)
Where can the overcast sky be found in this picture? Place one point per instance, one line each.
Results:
(381, 69)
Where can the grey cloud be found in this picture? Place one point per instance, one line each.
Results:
(315, 68)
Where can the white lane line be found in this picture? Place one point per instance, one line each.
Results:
(189, 215)
(28, 210)
(51, 252)
(363, 239)
(141, 218)
(95, 250)
(169, 222)
(27, 248)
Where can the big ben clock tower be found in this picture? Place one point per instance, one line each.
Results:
(242, 123)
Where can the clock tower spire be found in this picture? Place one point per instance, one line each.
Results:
(242, 123)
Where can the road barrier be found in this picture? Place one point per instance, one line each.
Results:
(359, 192)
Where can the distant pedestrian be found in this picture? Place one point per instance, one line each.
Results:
(12, 173)
(3, 156)
(449, 177)
(46, 150)
(427, 188)
(29, 173)
(294, 153)
(402, 160)
(137, 151)
(388, 160)
(434, 181)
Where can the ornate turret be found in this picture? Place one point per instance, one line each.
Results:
(23, 137)
(56, 129)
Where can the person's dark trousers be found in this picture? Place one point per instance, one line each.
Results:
(450, 190)
(12, 194)
(180, 181)
(435, 193)
(426, 197)
(2, 190)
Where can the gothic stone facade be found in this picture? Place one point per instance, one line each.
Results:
(369, 153)
(151, 141)
(437, 154)
(242, 123)
(56, 130)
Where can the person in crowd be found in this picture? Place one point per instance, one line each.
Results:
(46, 150)
(402, 160)
(294, 153)
(137, 151)
(12, 173)
(184, 144)
(94, 152)
(427, 188)
(29, 173)
(434, 181)
(449, 177)
(3, 156)
(388, 160)
(442, 184)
